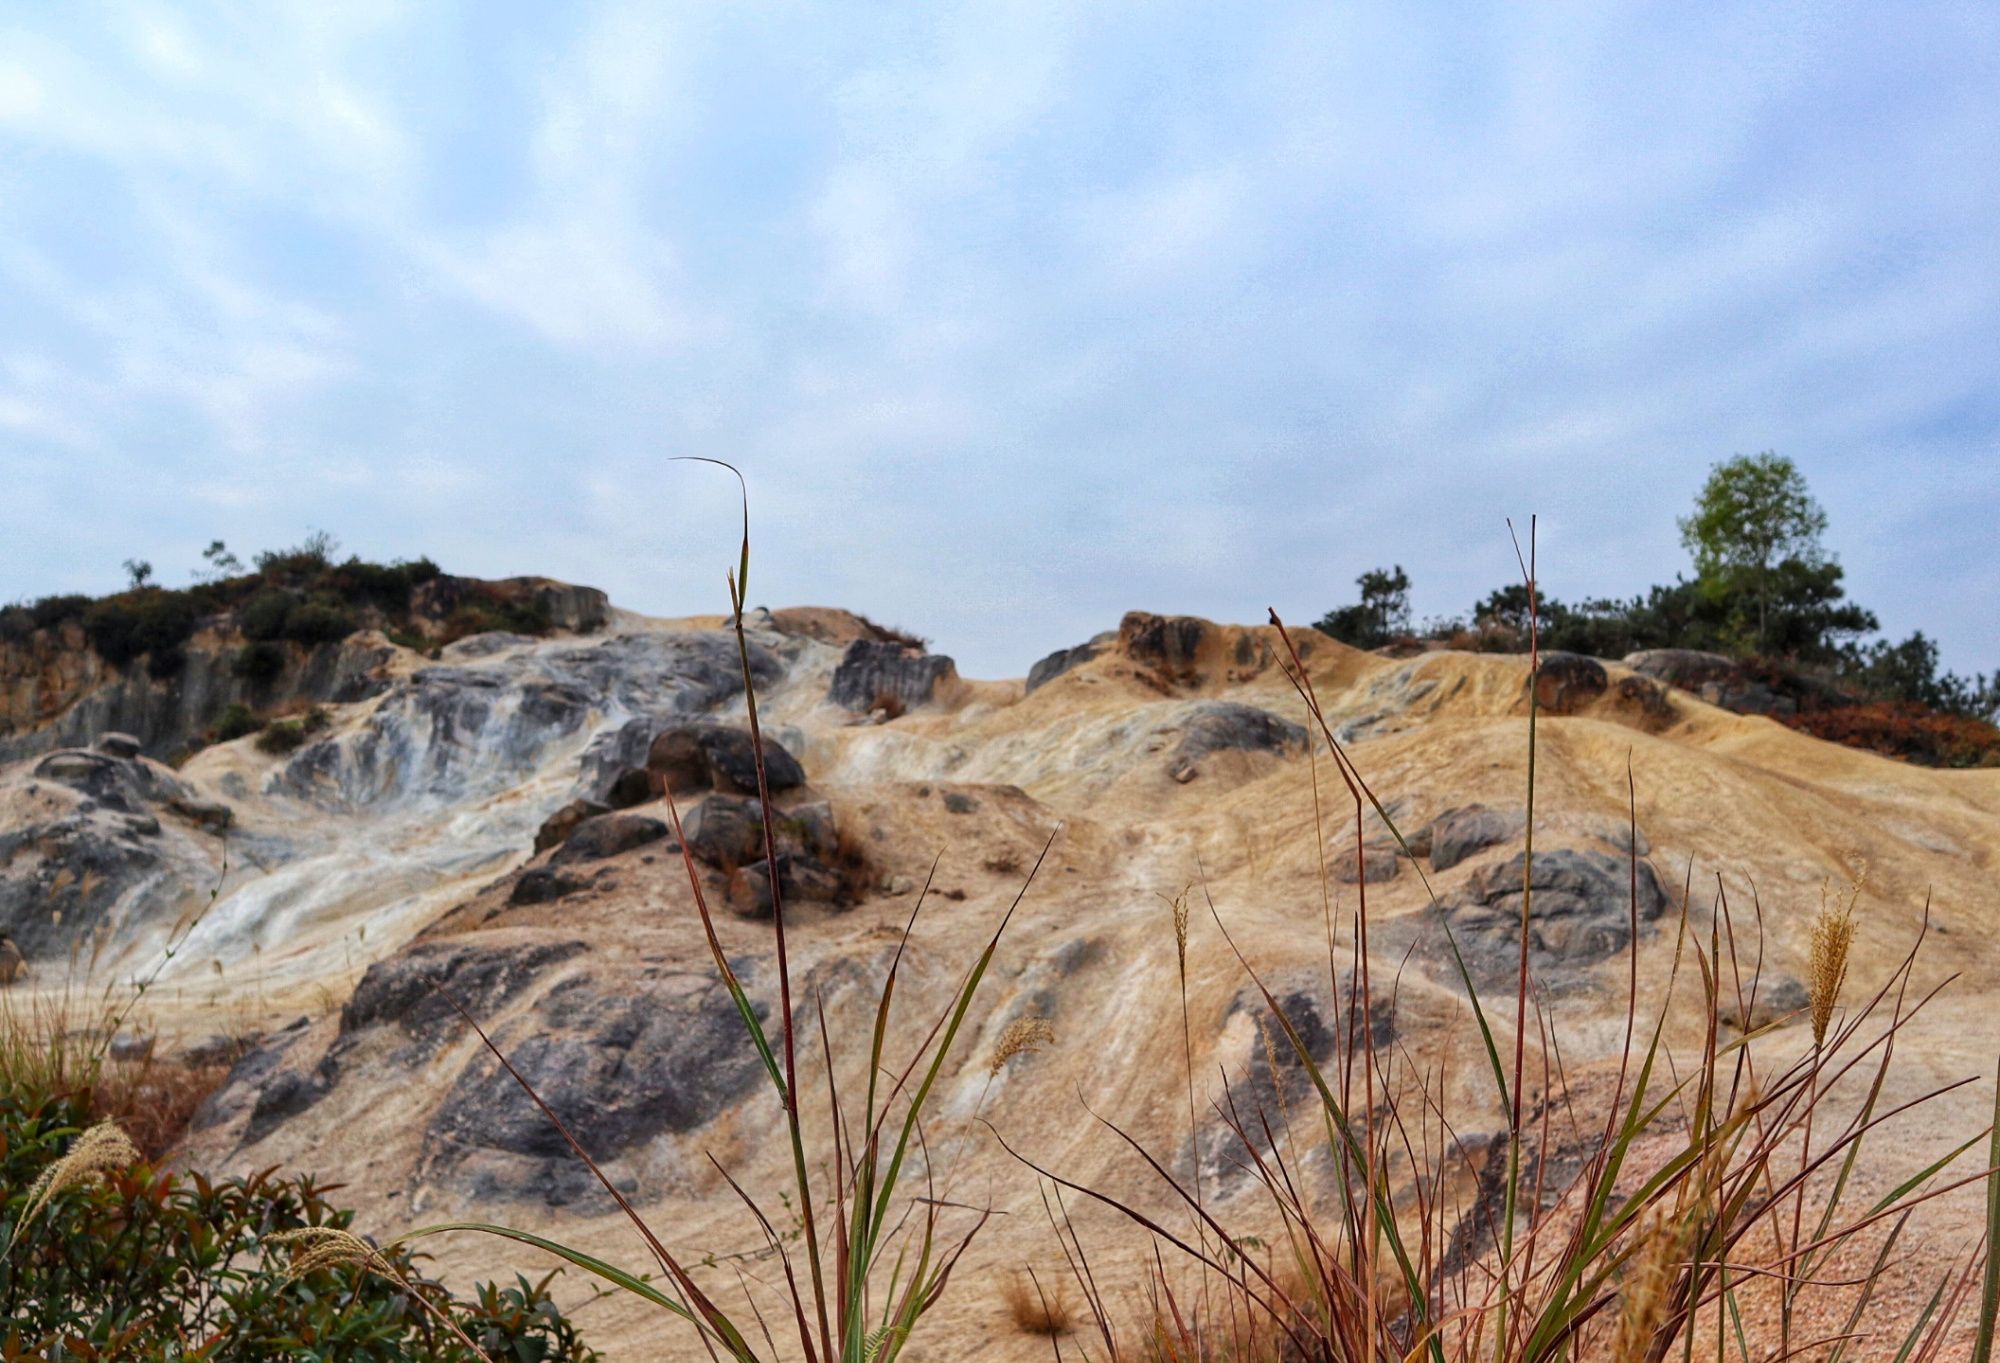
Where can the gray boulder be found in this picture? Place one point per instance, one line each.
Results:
(800, 879)
(1581, 915)
(872, 671)
(720, 757)
(559, 825)
(620, 1071)
(607, 835)
(1213, 726)
(1566, 682)
(725, 830)
(1064, 659)
(1470, 829)
(118, 745)
(543, 885)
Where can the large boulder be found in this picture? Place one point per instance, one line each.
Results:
(800, 878)
(725, 830)
(1566, 682)
(619, 1069)
(559, 825)
(1377, 863)
(1213, 726)
(728, 831)
(1170, 644)
(720, 757)
(1468, 830)
(1582, 913)
(543, 885)
(1722, 681)
(607, 835)
(873, 673)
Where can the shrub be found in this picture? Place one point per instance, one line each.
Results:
(237, 721)
(51, 611)
(17, 623)
(140, 1263)
(318, 622)
(123, 627)
(263, 617)
(285, 736)
(258, 662)
(1905, 729)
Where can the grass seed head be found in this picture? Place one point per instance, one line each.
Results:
(103, 1149)
(1024, 1036)
(1832, 937)
(316, 1247)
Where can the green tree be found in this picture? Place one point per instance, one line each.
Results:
(1754, 515)
(1382, 614)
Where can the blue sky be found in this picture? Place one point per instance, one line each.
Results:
(1016, 315)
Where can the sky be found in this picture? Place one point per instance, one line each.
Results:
(1016, 316)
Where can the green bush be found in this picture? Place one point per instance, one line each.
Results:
(285, 736)
(16, 624)
(123, 627)
(258, 662)
(237, 720)
(318, 622)
(147, 1265)
(264, 615)
(51, 611)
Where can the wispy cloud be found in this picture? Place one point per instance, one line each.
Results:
(1017, 315)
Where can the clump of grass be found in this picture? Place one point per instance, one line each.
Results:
(1038, 1307)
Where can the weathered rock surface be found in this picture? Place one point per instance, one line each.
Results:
(871, 671)
(544, 885)
(1566, 682)
(720, 757)
(1583, 912)
(83, 849)
(1064, 659)
(1213, 726)
(1468, 830)
(620, 1071)
(607, 835)
(559, 825)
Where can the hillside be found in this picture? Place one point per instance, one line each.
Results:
(431, 831)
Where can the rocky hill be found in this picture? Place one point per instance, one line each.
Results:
(487, 814)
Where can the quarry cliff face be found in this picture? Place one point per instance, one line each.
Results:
(57, 689)
(492, 816)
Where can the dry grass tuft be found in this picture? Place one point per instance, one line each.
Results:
(103, 1149)
(1023, 1036)
(1037, 1307)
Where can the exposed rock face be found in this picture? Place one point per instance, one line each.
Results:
(408, 990)
(1777, 996)
(607, 835)
(56, 692)
(1716, 679)
(618, 1070)
(1063, 659)
(1470, 829)
(871, 671)
(1214, 726)
(1170, 643)
(720, 757)
(83, 847)
(1583, 907)
(1566, 682)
